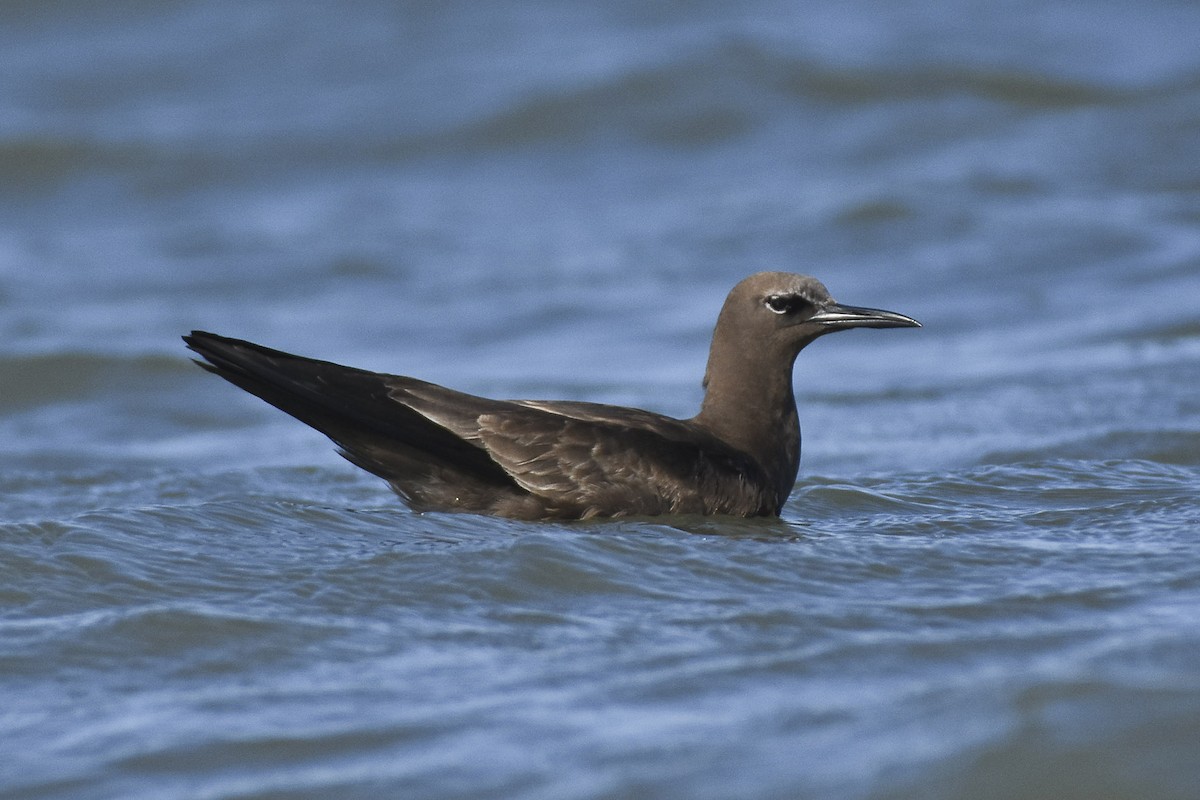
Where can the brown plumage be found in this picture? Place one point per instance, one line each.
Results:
(443, 450)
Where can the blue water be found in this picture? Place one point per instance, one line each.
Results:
(986, 583)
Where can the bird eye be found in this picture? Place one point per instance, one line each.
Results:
(783, 303)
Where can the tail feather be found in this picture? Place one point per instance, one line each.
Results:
(353, 407)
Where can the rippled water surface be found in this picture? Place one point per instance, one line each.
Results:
(986, 583)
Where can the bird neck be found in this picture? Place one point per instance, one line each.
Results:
(749, 404)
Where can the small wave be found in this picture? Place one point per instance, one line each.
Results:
(31, 163)
(1059, 751)
(1133, 495)
(1179, 447)
(1164, 334)
(726, 90)
(31, 380)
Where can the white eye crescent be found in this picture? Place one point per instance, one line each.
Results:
(783, 303)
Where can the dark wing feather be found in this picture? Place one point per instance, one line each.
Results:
(355, 409)
(587, 459)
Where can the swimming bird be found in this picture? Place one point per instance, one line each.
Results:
(443, 450)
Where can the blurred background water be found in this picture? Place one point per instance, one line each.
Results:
(986, 584)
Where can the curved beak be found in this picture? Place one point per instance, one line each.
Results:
(837, 316)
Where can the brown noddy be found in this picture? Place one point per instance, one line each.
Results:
(443, 450)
